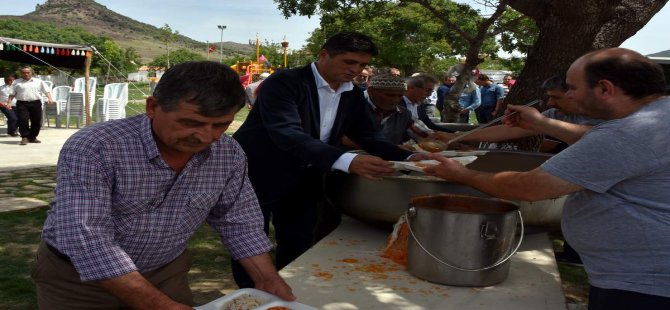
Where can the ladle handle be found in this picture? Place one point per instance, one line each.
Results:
(467, 133)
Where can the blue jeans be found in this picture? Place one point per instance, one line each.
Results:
(12, 120)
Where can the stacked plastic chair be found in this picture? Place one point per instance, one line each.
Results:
(60, 96)
(79, 88)
(113, 103)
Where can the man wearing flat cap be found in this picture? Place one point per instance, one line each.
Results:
(385, 95)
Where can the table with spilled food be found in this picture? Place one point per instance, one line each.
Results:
(354, 267)
(451, 247)
(346, 270)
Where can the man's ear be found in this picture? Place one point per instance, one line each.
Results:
(322, 54)
(151, 106)
(605, 88)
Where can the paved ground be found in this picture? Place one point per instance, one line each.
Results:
(28, 172)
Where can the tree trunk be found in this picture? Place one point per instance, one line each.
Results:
(570, 28)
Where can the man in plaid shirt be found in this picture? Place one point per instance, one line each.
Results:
(132, 192)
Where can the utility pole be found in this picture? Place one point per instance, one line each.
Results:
(221, 51)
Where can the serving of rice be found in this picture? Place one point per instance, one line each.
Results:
(243, 302)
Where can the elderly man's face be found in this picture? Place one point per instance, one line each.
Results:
(184, 131)
(363, 77)
(26, 74)
(417, 94)
(387, 100)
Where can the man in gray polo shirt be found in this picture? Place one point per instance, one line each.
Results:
(617, 215)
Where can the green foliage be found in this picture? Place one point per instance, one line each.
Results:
(274, 52)
(406, 37)
(413, 35)
(177, 56)
(517, 31)
(167, 35)
(20, 235)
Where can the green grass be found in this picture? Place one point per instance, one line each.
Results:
(20, 235)
(574, 280)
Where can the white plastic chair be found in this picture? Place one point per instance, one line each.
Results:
(44, 99)
(79, 88)
(60, 96)
(113, 103)
(75, 109)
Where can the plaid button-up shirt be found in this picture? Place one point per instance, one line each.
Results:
(120, 208)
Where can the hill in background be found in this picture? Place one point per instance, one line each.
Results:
(126, 32)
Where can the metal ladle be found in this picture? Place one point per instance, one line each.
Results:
(532, 103)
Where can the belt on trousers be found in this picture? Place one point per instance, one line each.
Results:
(32, 101)
(58, 253)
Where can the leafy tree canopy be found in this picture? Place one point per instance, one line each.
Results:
(416, 35)
(176, 56)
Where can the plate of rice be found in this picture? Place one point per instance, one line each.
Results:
(252, 299)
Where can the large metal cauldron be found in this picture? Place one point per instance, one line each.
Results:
(385, 200)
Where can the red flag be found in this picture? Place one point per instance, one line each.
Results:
(211, 49)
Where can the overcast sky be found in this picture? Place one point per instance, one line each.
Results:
(245, 18)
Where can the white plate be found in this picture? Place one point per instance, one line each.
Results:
(268, 300)
(453, 153)
(419, 165)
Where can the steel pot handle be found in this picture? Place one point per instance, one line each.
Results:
(407, 214)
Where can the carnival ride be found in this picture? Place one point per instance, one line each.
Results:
(251, 70)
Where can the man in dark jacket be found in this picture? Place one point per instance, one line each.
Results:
(293, 135)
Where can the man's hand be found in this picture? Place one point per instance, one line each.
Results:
(138, 293)
(443, 136)
(371, 167)
(419, 156)
(525, 117)
(275, 285)
(448, 169)
(264, 274)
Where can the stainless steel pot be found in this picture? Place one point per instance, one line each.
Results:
(461, 240)
(385, 200)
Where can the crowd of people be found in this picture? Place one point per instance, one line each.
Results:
(132, 192)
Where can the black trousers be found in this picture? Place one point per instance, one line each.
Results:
(30, 118)
(298, 221)
(10, 115)
(485, 113)
(607, 299)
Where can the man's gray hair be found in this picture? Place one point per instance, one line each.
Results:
(420, 80)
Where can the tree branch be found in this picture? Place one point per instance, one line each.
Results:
(533, 9)
(426, 4)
